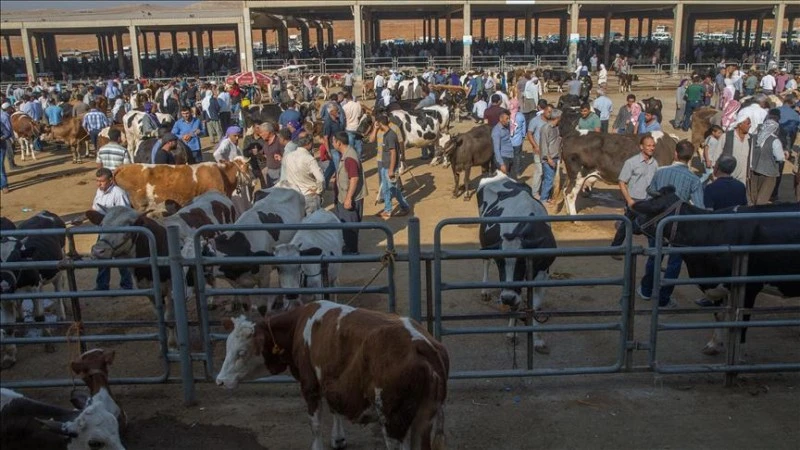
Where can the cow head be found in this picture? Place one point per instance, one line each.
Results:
(94, 428)
(244, 173)
(236, 244)
(648, 210)
(90, 363)
(243, 351)
(365, 125)
(291, 275)
(10, 251)
(110, 245)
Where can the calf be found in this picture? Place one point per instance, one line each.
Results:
(501, 196)
(463, 151)
(26, 130)
(27, 249)
(366, 365)
(71, 132)
(92, 367)
(312, 243)
(27, 424)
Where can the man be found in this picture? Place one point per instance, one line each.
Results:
(750, 83)
(349, 191)
(736, 143)
(501, 144)
(518, 132)
(113, 154)
(173, 107)
(768, 83)
(108, 195)
(290, 114)
(650, 122)
(272, 150)
(694, 95)
(574, 85)
(188, 129)
(93, 122)
(379, 81)
(352, 116)
(588, 120)
(756, 111)
(634, 179)
(302, 172)
(603, 104)
(624, 123)
(163, 154)
(725, 191)
(766, 156)
(6, 145)
(429, 98)
(390, 161)
(534, 134)
(492, 113)
(54, 114)
(277, 88)
(479, 109)
(780, 81)
(330, 127)
(80, 108)
(210, 107)
(348, 82)
(33, 108)
(688, 188)
(224, 101)
(550, 146)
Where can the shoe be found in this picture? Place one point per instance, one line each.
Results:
(705, 302)
(639, 293)
(671, 304)
(384, 215)
(402, 212)
(5, 190)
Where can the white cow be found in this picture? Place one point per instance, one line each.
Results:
(134, 132)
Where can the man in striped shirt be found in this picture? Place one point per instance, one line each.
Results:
(688, 188)
(93, 122)
(113, 154)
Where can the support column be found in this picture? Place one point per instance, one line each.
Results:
(639, 33)
(304, 36)
(500, 34)
(200, 54)
(527, 46)
(562, 32)
(588, 29)
(424, 30)
(627, 29)
(607, 39)
(330, 35)
(780, 12)
(536, 30)
(120, 53)
(436, 35)
(245, 42)
(136, 63)
(677, 36)
(759, 30)
(11, 55)
(191, 44)
(377, 32)
(157, 36)
(448, 33)
(748, 29)
(263, 41)
(144, 42)
(516, 29)
(650, 29)
(358, 61)
(174, 36)
(28, 52)
(789, 31)
(40, 51)
(430, 30)
(211, 43)
(574, 16)
(483, 29)
(467, 53)
(110, 46)
(53, 61)
(320, 39)
(99, 46)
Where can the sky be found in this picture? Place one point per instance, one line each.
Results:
(15, 5)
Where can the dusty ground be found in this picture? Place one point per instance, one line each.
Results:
(639, 410)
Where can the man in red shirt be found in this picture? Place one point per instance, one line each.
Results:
(492, 113)
(349, 191)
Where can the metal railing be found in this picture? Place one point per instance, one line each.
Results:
(554, 61)
(262, 64)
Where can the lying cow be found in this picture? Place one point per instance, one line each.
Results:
(464, 151)
(92, 368)
(29, 424)
(312, 243)
(367, 366)
(28, 249)
(501, 196)
(151, 185)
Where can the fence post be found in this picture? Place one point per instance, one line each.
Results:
(181, 319)
(739, 268)
(414, 268)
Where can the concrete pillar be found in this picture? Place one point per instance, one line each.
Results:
(283, 39)
(516, 29)
(563, 32)
(448, 33)
(136, 63)
(157, 37)
(377, 32)
(120, 52)
(677, 36)
(748, 29)
(40, 51)
(245, 42)
(320, 38)
(500, 34)
(304, 37)
(211, 43)
(358, 61)
(536, 29)
(263, 41)
(588, 28)
(759, 30)
(691, 25)
(99, 46)
(174, 36)
(789, 31)
(191, 43)
(574, 17)
(649, 28)
(467, 54)
(28, 52)
(436, 35)
(144, 43)
(527, 45)
(200, 54)
(639, 34)
(11, 55)
(424, 30)
(110, 46)
(483, 28)
(780, 13)
(627, 29)
(51, 50)
(607, 39)
(330, 35)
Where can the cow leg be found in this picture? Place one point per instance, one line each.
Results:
(313, 403)
(9, 352)
(38, 316)
(467, 192)
(714, 346)
(60, 309)
(169, 316)
(486, 296)
(456, 185)
(338, 439)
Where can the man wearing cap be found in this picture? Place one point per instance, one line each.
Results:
(291, 114)
(228, 148)
(163, 153)
(188, 129)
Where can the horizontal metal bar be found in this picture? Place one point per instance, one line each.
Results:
(533, 283)
(714, 249)
(80, 264)
(98, 324)
(521, 253)
(516, 373)
(538, 328)
(85, 338)
(733, 217)
(740, 368)
(741, 324)
(78, 294)
(295, 226)
(70, 382)
(524, 219)
(730, 279)
(299, 291)
(229, 260)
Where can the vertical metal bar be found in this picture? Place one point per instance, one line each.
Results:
(437, 282)
(659, 242)
(736, 303)
(202, 306)
(414, 283)
(72, 283)
(181, 321)
(627, 304)
(429, 295)
(529, 302)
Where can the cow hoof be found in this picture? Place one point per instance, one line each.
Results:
(712, 350)
(486, 297)
(339, 443)
(541, 348)
(466, 198)
(49, 348)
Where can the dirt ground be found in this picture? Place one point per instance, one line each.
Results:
(635, 410)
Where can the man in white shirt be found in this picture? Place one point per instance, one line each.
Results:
(352, 116)
(378, 83)
(768, 83)
(109, 195)
(756, 112)
(302, 172)
(478, 108)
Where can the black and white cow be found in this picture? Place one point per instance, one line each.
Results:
(312, 243)
(274, 205)
(27, 424)
(134, 132)
(419, 128)
(24, 249)
(501, 196)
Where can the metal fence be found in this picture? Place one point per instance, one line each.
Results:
(266, 64)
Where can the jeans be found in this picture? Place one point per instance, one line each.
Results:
(748, 91)
(687, 115)
(198, 156)
(390, 190)
(706, 175)
(103, 279)
(536, 177)
(331, 169)
(350, 236)
(516, 162)
(549, 176)
(604, 126)
(93, 138)
(3, 176)
(276, 96)
(672, 272)
(357, 144)
(9, 150)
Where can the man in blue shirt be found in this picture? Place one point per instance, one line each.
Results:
(688, 188)
(603, 104)
(291, 114)
(650, 122)
(54, 114)
(501, 143)
(725, 191)
(188, 128)
(518, 132)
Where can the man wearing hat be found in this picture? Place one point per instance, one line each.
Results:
(780, 81)
(163, 153)
(228, 148)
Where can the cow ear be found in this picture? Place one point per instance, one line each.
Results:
(95, 217)
(77, 367)
(109, 355)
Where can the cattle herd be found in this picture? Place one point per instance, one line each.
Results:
(367, 366)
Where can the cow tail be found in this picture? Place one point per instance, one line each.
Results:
(438, 429)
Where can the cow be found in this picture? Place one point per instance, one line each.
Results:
(26, 130)
(132, 245)
(34, 247)
(654, 104)
(26, 423)
(327, 242)
(559, 77)
(134, 128)
(701, 121)
(102, 138)
(569, 101)
(418, 128)
(715, 232)
(274, 205)
(464, 151)
(181, 152)
(71, 132)
(150, 185)
(92, 368)
(366, 365)
(501, 196)
(626, 81)
(322, 82)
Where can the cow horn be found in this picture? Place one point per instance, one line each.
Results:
(56, 427)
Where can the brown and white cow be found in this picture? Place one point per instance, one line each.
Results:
(368, 366)
(70, 132)
(26, 130)
(92, 367)
(150, 185)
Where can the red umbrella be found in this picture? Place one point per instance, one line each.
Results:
(248, 78)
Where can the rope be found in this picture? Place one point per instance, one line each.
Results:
(387, 258)
(74, 350)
